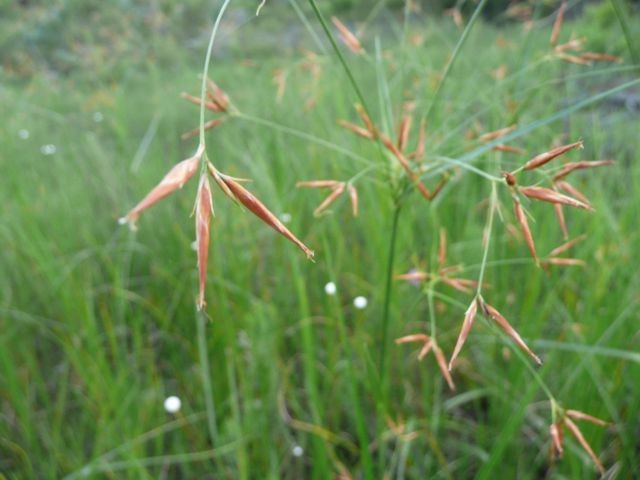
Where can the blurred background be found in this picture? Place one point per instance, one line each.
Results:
(97, 323)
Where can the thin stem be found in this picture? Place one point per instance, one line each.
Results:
(387, 290)
(300, 134)
(454, 55)
(487, 236)
(206, 376)
(205, 69)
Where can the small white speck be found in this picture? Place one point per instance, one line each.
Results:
(48, 149)
(330, 288)
(98, 117)
(194, 246)
(297, 451)
(172, 404)
(285, 217)
(23, 133)
(360, 302)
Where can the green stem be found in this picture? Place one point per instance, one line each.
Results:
(487, 236)
(205, 372)
(454, 55)
(387, 291)
(618, 7)
(205, 69)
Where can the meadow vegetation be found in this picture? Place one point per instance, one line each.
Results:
(288, 377)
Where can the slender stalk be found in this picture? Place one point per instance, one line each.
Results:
(205, 69)
(487, 236)
(454, 56)
(205, 372)
(387, 291)
(619, 8)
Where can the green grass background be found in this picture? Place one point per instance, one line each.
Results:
(98, 325)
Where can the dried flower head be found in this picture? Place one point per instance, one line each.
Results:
(349, 39)
(428, 345)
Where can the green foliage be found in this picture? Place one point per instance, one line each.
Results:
(97, 324)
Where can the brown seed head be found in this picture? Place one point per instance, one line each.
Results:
(600, 57)
(551, 196)
(173, 180)
(333, 196)
(442, 364)
(555, 430)
(256, 207)
(563, 224)
(509, 330)
(577, 434)
(578, 415)
(204, 209)
(546, 157)
(570, 167)
(501, 147)
(353, 195)
(403, 132)
(487, 137)
(509, 178)
(524, 226)
(469, 317)
(555, 31)
(349, 39)
(217, 96)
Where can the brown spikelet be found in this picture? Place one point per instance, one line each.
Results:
(469, 317)
(557, 25)
(509, 178)
(564, 262)
(442, 364)
(502, 322)
(204, 208)
(566, 246)
(217, 96)
(555, 431)
(546, 157)
(173, 180)
(318, 183)
(461, 284)
(501, 147)
(573, 44)
(524, 226)
(599, 57)
(196, 101)
(413, 276)
(353, 196)
(280, 79)
(207, 126)
(578, 415)
(487, 137)
(571, 190)
(570, 167)
(561, 221)
(349, 39)
(422, 138)
(256, 207)
(442, 247)
(362, 132)
(551, 196)
(365, 118)
(333, 196)
(573, 59)
(577, 434)
(416, 337)
(403, 132)
(426, 348)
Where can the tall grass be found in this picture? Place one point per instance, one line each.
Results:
(98, 324)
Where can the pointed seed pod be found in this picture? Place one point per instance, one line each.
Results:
(555, 31)
(353, 196)
(561, 221)
(442, 364)
(501, 147)
(204, 209)
(577, 434)
(333, 196)
(403, 132)
(362, 132)
(600, 57)
(256, 207)
(487, 137)
(509, 330)
(318, 184)
(570, 167)
(524, 226)
(546, 157)
(469, 317)
(551, 196)
(172, 181)
(566, 246)
(571, 190)
(413, 276)
(555, 431)
(207, 126)
(578, 415)
(349, 39)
